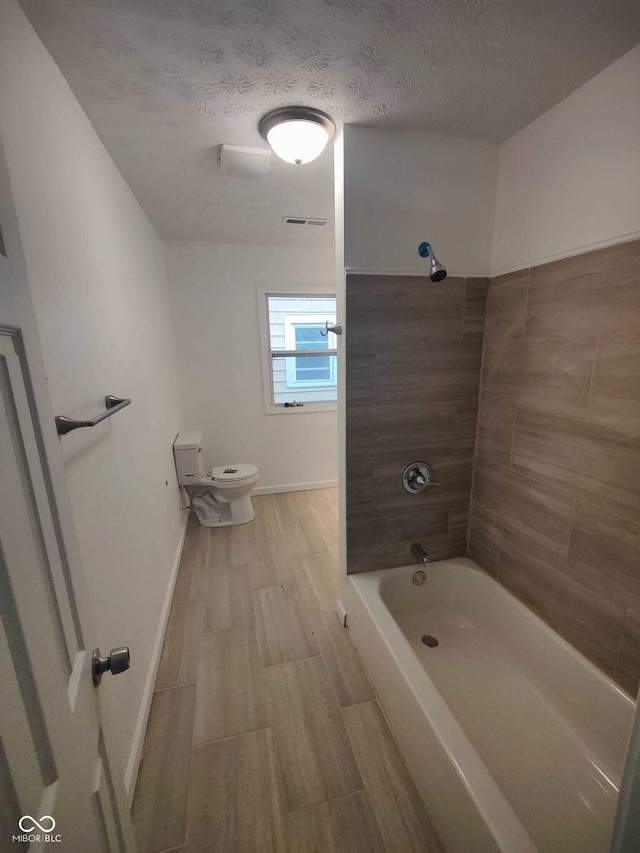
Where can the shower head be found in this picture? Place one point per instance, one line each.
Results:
(437, 272)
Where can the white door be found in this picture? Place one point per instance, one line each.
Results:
(57, 790)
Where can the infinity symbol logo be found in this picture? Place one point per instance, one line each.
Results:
(28, 823)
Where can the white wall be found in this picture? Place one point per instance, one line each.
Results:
(96, 272)
(401, 188)
(570, 180)
(213, 291)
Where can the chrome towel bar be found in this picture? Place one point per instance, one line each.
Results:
(113, 404)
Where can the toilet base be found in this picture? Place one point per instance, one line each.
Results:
(215, 513)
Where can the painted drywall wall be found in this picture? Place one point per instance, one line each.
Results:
(570, 180)
(401, 188)
(213, 291)
(96, 273)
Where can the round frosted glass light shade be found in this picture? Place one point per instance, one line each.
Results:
(298, 141)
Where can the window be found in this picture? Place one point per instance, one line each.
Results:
(300, 357)
(304, 332)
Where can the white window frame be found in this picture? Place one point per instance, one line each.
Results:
(296, 291)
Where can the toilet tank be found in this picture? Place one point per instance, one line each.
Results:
(187, 451)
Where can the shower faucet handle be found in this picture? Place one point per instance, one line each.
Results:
(417, 477)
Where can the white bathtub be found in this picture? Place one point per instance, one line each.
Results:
(515, 741)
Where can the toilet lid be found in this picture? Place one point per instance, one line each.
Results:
(233, 473)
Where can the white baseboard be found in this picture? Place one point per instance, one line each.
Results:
(135, 753)
(295, 487)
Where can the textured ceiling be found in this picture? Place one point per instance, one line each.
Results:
(166, 81)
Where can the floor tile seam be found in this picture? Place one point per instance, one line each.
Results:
(228, 628)
(196, 745)
(295, 660)
(173, 687)
(362, 790)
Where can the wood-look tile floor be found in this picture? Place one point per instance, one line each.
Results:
(264, 732)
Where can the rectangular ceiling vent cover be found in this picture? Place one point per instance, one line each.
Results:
(245, 161)
(304, 220)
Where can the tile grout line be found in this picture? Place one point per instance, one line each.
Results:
(295, 660)
(593, 370)
(328, 800)
(526, 302)
(230, 737)
(578, 420)
(500, 554)
(174, 687)
(191, 756)
(479, 412)
(228, 628)
(275, 789)
(616, 662)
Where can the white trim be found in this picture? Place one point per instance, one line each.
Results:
(135, 753)
(293, 353)
(304, 409)
(535, 262)
(570, 253)
(340, 285)
(341, 610)
(423, 274)
(295, 487)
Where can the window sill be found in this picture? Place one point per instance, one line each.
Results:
(307, 408)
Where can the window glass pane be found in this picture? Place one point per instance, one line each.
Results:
(304, 378)
(309, 368)
(310, 337)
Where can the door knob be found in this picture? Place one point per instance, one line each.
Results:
(117, 661)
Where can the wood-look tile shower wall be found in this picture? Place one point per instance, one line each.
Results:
(414, 352)
(556, 500)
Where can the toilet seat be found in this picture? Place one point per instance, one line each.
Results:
(235, 473)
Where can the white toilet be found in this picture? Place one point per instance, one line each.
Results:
(221, 496)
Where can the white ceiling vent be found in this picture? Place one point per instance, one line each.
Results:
(245, 161)
(304, 220)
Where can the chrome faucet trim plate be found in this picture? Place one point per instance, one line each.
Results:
(417, 477)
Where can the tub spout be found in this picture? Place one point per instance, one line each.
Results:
(419, 553)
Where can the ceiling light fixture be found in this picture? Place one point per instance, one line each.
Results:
(297, 134)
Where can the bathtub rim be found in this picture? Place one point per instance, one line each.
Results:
(530, 615)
